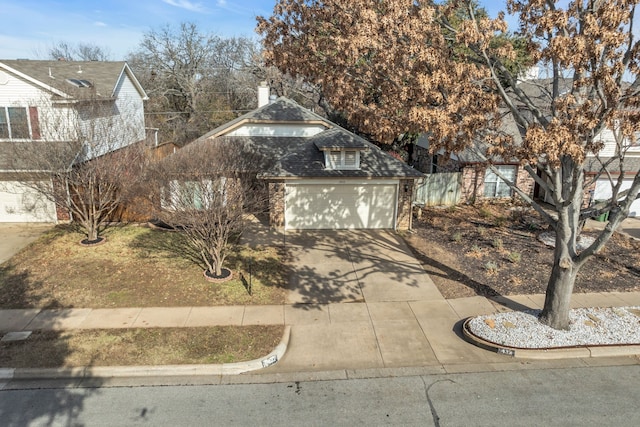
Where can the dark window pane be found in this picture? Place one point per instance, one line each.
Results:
(4, 128)
(18, 122)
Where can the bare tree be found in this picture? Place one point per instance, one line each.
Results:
(415, 66)
(196, 81)
(86, 166)
(78, 52)
(208, 190)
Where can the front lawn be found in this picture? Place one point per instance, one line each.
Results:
(153, 346)
(136, 267)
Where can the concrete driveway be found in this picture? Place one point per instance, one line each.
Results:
(354, 266)
(15, 236)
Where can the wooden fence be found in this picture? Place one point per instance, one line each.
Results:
(439, 189)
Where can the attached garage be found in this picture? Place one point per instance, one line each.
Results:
(19, 203)
(322, 204)
(603, 192)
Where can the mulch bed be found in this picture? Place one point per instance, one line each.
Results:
(492, 249)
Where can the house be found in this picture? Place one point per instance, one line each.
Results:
(317, 174)
(602, 188)
(475, 181)
(49, 102)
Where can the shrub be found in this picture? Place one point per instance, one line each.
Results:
(515, 257)
(484, 213)
(491, 267)
(500, 221)
(457, 237)
(497, 243)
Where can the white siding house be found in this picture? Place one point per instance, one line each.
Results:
(603, 187)
(52, 101)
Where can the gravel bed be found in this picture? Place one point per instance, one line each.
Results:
(583, 242)
(589, 326)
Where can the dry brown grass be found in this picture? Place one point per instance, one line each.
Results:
(136, 267)
(126, 347)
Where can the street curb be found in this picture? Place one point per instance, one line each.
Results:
(150, 370)
(585, 351)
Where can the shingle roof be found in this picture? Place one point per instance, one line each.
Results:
(631, 165)
(301, 157)
(282, 110)
(103, 76)
(298, 157)
(338, 138)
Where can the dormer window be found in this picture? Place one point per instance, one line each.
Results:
(343, 159)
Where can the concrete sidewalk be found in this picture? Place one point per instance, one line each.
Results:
(329, 337)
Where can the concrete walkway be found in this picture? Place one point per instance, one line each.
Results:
(329, 337)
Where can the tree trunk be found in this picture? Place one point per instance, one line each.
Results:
(558, 296)
(92, 232)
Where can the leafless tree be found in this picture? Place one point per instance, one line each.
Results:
(209, 190)
(78, 52)
(195, 81)
(87, 164)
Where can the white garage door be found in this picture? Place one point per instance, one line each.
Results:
(19, 203)
(341, 205)
(603, 192)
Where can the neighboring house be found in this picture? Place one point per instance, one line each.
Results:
(476, 181)
(43, 102)
(602, 188)
(319, 175)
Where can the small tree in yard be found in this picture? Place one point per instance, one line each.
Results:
(208, 189)
(416, 66)
(87, 166)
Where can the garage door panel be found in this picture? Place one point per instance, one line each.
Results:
(603, 192)
(340, 206)
(19, 203)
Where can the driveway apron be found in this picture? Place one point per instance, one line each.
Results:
(356, 300)
(15, 236)
(354, 266)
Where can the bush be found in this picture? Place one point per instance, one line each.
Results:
(491, 267)
(456, 237)
(515, 257)
(497, 243)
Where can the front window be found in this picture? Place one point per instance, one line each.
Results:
(495, 186)
(19, 123)
(337, 160)
(196, 195)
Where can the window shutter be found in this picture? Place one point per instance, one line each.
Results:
(35, 123)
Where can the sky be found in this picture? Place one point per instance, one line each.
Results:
(31, 27)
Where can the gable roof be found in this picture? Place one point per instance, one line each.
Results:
(301, 157)
(53, 76)
(282, 110)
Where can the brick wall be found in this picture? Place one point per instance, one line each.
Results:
(473, 182)
(276, 203)
(405, 199)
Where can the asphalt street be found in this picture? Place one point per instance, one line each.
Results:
(553, 397)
